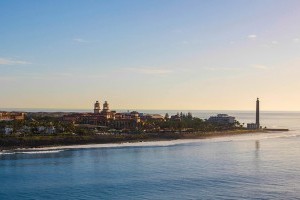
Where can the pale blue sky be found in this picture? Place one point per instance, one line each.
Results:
(150, 54)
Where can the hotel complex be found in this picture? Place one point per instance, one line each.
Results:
(102, 118)
(222, 119)
(9, 116)
(110, 118)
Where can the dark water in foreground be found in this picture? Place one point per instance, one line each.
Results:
(254, 166)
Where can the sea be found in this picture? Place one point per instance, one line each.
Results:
(250, 166)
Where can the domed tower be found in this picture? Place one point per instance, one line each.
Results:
(105, 107)
(97, 107)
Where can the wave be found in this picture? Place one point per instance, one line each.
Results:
(6, 153)
(31, 152)
(39, 152)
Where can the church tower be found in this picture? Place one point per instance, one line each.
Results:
(257, 114)
(105, 107)
(97, 107)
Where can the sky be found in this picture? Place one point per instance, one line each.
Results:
(150, 54)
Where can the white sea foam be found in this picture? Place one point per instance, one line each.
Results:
(6, 153)
(113, 145)
(40, 152)
(31, 151)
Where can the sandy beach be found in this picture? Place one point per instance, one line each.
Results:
(189, 138)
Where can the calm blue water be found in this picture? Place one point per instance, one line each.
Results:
(254, 166)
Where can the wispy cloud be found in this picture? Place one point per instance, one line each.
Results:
(80, 40)
(252, 37)
(190, 42)
(274, 42)
(177, 31)
(147, 70)
(296, 40)
(51, 76)
(10, 61)
(261, 67)
(185, 42)
(222, 68)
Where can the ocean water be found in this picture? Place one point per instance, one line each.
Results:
(252, 166)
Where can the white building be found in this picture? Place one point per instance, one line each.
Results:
(41, 128)
(222, 119)
(50, 130)
(252, 126)
(47, 130)
(8, 130)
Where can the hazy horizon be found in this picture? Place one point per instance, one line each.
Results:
(134, 109)
(183, 55)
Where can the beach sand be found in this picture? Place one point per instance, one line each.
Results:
(189, 138)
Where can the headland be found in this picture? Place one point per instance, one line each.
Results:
(104, 126)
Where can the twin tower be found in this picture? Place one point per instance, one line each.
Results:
(97, 107)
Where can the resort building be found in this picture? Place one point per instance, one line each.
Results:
(111, 119)
(106, 113)
(252, 126)
(223, 119)
(155, 117)
(9, 116)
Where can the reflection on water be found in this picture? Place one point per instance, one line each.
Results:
(257, 145)
(256, 156)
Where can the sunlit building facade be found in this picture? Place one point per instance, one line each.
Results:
(9, 116)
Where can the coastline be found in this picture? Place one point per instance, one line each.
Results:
(150, 141)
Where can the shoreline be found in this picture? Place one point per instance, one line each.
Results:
(151, 141)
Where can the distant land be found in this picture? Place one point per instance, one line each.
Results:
(103, 125)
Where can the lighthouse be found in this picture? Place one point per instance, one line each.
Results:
(257, 114)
